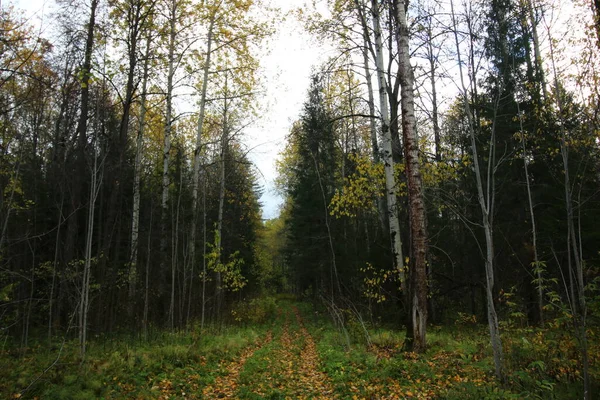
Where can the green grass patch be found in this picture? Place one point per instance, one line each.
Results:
(540, 363)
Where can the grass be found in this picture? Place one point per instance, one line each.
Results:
(170, 364)
(540, 364)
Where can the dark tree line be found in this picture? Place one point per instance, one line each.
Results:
(509, 163)
(88, 242)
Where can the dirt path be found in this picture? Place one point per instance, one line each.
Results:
(310, 373)
(225, 386)
(289, 368)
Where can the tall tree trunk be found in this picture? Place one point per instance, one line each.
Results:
(218, 241)
(197, 151)
(167, 139)
(84, 302)
(485, 205)
(434, 100)
(579, 306)
(536, 49)
(86, 74)
(537, 269)
(373, 128)
(135, 219)
(134, 21)
(204, 238)
(175, 244)
(147, 278)
(81, 143)
(387, 157)
(418, 267)
(54, 268)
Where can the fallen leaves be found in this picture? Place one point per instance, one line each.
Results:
(225, 386)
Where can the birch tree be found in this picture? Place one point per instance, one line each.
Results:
(168, 127)
(198, 150)
(135, 219)
(386, 141)
(485, 199)
(417, 269)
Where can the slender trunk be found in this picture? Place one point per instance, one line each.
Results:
(373, 128)
(434, 100)
(76, 200)
(218, 241)
(134, 22)
(25, 338)
(174, 250)
(147, 279)
(536, 49)
(9, 206)
(197, 151)
(167, 140)
(335, 280)
(486, 218)
(203, 251)
(579, 303)
(54, 266)
(536, 261)
(85, 290)
(135, 220)
(387, 157)
(82, 139)
(418, 267)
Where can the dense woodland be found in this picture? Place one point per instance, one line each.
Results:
(445, 167)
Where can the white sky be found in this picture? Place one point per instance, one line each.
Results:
(285, 70)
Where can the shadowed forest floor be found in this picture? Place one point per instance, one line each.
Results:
(296, 353)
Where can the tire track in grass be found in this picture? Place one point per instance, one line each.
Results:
(268, 372)
(312, 381)
(225, 386)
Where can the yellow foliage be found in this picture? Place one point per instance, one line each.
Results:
(360, 190)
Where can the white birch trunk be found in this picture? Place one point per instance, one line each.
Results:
(485, 205)
(418, 272)
(388, 161)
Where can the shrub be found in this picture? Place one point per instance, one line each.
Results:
(256, 311)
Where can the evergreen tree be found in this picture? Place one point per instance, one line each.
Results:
(309, 250)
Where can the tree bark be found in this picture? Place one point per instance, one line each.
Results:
(485, 205)
(76, 201)
(167, 138)
(218, 242)
(197, 151)
(536, 49)
(135, 220)
(373, 129)
(387, 157)
(84, 302)
(579, 306)
(418, 265)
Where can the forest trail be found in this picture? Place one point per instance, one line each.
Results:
(287, 367)
(225, 386)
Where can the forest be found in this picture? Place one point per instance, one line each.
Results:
(439, 185)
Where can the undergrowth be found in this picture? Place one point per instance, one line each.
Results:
(540, 363)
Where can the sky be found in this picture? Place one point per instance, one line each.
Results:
(289, 59)
(293, 54)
